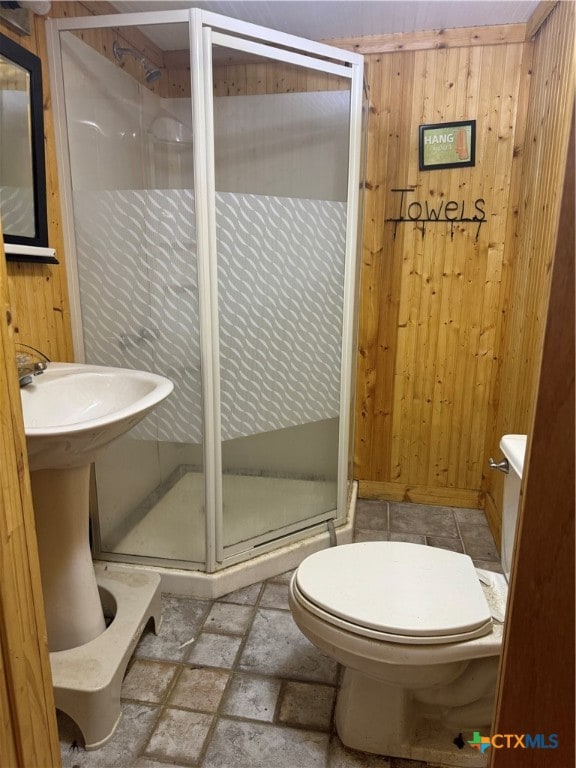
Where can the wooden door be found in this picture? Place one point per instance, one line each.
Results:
(536, 688)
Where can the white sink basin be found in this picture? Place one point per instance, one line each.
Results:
(73, 410)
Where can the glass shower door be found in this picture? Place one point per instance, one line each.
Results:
(281, 128)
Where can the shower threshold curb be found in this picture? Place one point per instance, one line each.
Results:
(87, 679)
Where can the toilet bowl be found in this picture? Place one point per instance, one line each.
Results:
(418, 631)
(413, 628)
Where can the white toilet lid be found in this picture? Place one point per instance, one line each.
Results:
(399, 589)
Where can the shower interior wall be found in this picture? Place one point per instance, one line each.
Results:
(138, 141)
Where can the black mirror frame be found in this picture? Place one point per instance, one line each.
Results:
(30, 62)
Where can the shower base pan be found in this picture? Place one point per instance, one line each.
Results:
(264, 565)
(87, 679)
(170, 523)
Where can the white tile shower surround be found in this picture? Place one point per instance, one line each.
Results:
(232, 683)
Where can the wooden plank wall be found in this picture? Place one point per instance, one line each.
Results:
(28, 733)
(431, 295)
(533, 229)
(251, 79)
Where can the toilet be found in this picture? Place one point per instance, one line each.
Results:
(418, 631)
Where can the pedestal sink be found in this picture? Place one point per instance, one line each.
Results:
(71, 413)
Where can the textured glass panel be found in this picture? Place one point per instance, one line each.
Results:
(130, 142)
(281, 145)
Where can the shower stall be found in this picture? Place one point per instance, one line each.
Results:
(210, 178)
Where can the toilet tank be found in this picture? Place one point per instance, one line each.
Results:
(514, 449)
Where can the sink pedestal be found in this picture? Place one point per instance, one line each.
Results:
(74, 614)
(88, 660)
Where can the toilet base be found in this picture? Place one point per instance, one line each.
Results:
(87, 679)
(372, 716)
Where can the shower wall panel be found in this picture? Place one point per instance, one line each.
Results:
(107, 113)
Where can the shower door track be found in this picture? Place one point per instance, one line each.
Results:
(260, 545)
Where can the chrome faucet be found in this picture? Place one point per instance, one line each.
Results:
(27, 367)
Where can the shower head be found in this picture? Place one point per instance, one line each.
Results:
(151, 74)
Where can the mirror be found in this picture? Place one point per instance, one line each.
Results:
(22, 167)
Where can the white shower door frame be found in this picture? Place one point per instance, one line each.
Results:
(208, 29)
(213, 30)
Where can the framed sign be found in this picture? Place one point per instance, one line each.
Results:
(447, 145)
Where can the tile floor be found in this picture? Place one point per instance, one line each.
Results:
(232, 683)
